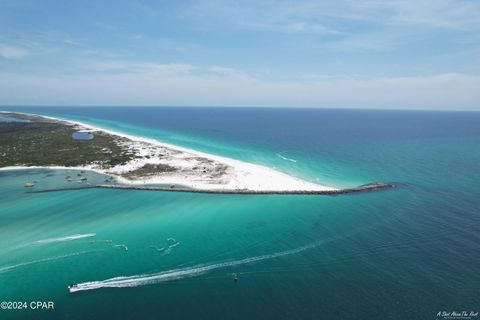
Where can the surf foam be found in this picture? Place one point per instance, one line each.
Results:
(285, 158)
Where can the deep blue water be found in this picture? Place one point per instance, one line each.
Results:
(406, 253)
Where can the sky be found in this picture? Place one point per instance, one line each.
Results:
(397, 54)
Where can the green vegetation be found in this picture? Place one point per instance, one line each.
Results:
(149, 170)
(44, 142)
(218, 171)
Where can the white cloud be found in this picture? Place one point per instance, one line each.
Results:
(12, 52)
(227, 72)
(323, 16)
(345, 25)
(444, 14)
(71, 42)
(219, 86)
(157, 69)
(284, 16)
(126, 67)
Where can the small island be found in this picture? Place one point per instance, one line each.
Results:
(30, 141)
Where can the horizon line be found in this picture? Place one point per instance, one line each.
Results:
(238, 107)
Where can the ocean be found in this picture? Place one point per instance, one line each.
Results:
(404, 253)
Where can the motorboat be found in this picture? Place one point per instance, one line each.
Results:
(73, 288)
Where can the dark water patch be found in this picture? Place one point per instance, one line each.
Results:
(7, 118)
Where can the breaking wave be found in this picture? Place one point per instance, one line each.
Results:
(285, 158)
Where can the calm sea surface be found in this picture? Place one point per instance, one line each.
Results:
(406, 253)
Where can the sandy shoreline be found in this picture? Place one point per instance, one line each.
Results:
(239, 176)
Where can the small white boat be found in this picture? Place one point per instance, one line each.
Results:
(73, 288)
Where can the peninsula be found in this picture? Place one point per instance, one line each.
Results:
(28, 140)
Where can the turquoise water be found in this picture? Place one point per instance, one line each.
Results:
(404, 253)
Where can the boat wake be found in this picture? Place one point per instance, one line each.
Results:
(285, 158)
(181, 273)
(8, 268)
(121, 246)
(67, 238)
(167, 249)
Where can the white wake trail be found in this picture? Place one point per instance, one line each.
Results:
(174, 274)
(66, 238)
(8, 268)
